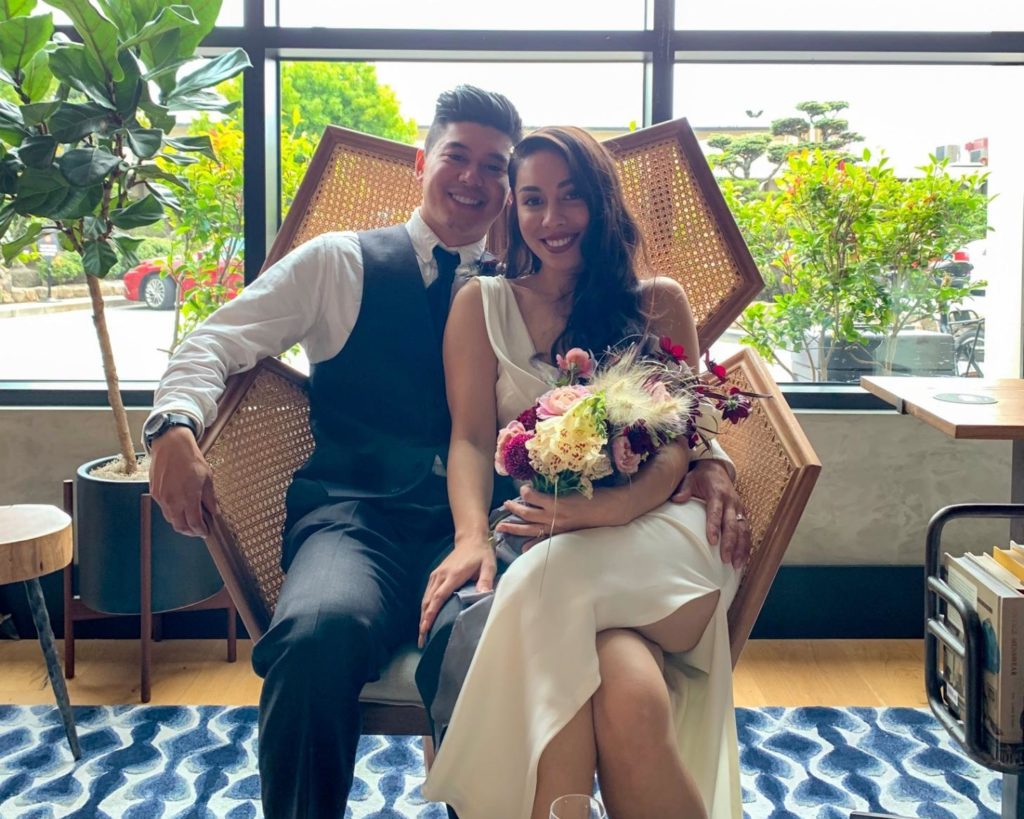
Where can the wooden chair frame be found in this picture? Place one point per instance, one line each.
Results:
(261, 434)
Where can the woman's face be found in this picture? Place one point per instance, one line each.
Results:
(552, 215)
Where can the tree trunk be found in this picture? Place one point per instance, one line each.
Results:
(99, 320)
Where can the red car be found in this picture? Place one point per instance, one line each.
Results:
(144, 282)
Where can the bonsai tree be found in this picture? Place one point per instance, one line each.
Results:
(848, 248)
(88, 152)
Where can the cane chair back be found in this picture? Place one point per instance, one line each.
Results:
(358, 182)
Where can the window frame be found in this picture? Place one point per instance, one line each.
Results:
(659, 47)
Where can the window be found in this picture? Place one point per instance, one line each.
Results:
(468, 14)
(868, 15)
(899, 305)
(47, 323)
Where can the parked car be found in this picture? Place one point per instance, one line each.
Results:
(146, 282)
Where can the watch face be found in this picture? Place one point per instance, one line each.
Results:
(154, 424)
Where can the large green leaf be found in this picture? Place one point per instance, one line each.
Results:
(10, 167)
(128, 91)
(150, 170)
(138, 214)
(12, 249)
(40, 191)
(170, 18)
(194, 144)
(78, 203)
(36, 76)
(83, 167)
(38, 151)
(73, 65)
(206, 12)
(7, 214)
(21, 38)
(212, 72)
(159, 117)
(98, 33)
(145, 142)
(120, 14)
(128, 245)
(183, 160)
(142, 10)
(159, 54)
(12, 126)
(15, 8)
(201, 101)
(165, 196)
(37, 112)
(98, 258)
(73, 121)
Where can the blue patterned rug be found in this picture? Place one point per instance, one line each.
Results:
(144, 762)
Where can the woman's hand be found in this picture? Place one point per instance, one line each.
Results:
(542, 515)
(466, 562)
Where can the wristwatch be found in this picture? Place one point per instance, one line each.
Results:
(160, 423)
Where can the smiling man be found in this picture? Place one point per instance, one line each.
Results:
(368, 513)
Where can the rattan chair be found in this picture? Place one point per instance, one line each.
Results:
(261, 435)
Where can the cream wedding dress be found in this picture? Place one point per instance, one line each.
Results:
(536, 664)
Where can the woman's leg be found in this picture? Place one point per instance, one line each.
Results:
(639, 768)
(684, 627)
(567, 764)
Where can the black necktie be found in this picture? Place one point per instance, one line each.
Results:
(439, 294)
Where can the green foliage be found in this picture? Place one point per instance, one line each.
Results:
(847, 248)
(64, 268)
(81, 162)
(347, 94)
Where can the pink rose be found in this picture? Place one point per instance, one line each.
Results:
(558, 401)
(576, 358)
(626, 460)
(513, 428)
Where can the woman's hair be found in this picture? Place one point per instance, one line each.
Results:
(606, 303)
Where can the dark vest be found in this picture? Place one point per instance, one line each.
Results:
(378, 410)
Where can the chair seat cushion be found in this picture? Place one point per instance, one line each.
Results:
(397, 683)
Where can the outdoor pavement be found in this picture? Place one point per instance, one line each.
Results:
(35, 308)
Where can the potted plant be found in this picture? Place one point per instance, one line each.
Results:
(88, 154)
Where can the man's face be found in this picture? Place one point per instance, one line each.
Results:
(465, 181)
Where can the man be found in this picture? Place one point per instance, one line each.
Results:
(368, 514)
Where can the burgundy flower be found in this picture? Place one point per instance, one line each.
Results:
(736, 407)
(528, 418)
(639, 438)
(717, 370)
(677, 351)
(517, 459)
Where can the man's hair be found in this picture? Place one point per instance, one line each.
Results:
(467, 103)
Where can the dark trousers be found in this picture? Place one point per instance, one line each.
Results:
(351, 597)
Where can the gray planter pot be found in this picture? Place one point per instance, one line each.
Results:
(107, 550)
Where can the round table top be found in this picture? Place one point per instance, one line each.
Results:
(35, 539)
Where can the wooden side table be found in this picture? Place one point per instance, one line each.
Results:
(36, 540)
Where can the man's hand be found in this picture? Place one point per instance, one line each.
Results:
(181, 481)
(543, 515)
(710, 482)
(466, 562)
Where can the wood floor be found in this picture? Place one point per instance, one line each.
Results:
(194, 672)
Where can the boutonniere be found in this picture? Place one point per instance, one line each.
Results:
(486, 265)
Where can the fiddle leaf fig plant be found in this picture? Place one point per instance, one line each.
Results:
(87, 151)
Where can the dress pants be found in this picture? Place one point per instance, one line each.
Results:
(350, 598)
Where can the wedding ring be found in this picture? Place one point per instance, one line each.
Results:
(740, 517)
(540, 532)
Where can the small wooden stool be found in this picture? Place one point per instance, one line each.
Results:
(36, 540)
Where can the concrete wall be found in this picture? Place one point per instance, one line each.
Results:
(883, 477)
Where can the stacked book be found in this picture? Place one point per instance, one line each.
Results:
(993, 585)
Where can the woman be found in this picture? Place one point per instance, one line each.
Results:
(620, 661)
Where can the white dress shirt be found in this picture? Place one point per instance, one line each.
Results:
(311, 297)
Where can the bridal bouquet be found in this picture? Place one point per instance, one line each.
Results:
(599, 423)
